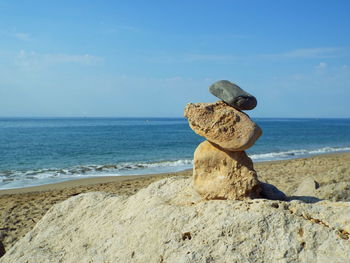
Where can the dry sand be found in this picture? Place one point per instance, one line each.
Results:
(21, 208)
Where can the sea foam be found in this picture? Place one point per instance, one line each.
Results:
(296, 153)
(16, 179)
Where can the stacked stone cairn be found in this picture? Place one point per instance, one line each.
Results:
(221, 169)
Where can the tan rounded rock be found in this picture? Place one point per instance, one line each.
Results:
(223, 125)
(219, 174)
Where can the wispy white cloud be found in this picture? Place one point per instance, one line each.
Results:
(210, 57)
(321, 65)
(194, 57)
(298, 76)
(304, 53)
(177, 78)
(110, 28)
(328, 52)
(22, 36)
(211, 38)
(33, 59)
(126, 28)
(297, 53)
(118, 29)
(239, 36)
(14, 34)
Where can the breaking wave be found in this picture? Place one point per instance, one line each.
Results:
(296, 153)
(15, 178)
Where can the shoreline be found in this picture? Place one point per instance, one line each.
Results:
(38, 177)
(21, 208)
(90, 181)
(79, 182)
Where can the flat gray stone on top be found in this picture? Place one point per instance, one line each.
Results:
(233, 95)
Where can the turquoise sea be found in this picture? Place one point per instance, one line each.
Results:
(35, 151)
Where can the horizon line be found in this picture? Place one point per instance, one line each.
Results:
(150, 117)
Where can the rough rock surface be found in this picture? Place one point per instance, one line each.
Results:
(169, 222)
(223, 125)
(233, 95)
(219, 174)
(307, 187)
(335, 192)
(339, 191)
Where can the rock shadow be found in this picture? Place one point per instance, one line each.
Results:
(305, 199)
(271, 192)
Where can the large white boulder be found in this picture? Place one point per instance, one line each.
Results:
(169, 222)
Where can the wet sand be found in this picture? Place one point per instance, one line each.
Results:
(21, 208)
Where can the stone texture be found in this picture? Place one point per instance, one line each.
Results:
(336, 192)
(307, 188)
(168, 222)
(233, 95)
(223, 125)
(219, 174)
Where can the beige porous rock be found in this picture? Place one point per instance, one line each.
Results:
(219, 174)
(169, 222)
(223, 125)
(307, 187)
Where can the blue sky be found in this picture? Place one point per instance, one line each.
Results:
(150, 58)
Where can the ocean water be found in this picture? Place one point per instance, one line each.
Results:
(40, 151)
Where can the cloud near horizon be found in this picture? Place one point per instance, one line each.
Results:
(33, 59)
(302, 53)
(22, 36)
(122, 59)
(322, 65)
(317, 52)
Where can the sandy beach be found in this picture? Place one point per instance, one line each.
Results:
(20, 209)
